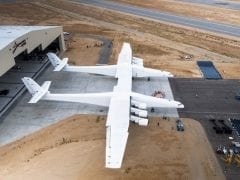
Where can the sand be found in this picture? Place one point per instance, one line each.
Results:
(82, 50)
(75, 149)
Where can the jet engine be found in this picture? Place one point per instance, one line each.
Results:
(139, 120)
(139, 112)
(139, 105)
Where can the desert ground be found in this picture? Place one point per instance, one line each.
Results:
(74, 148)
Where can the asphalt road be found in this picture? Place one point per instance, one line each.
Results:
(222, 4)
(167, 17)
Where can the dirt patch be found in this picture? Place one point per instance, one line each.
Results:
(74, 149)
(25, 14)
(228, 70)
(79, 48)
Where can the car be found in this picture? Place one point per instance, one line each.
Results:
(219, 150)
(237, 96)
(236, 150)
(180, 126)
(66, 33)
(236, 144)
(225, 151)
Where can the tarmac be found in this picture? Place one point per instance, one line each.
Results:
(210, 99)
(206, 98)
(12, 80)
(24, 118)
(231, 171)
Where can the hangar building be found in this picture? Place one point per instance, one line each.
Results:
(23, 53)
(15, 40)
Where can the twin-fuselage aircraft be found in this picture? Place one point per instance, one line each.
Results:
(124, 105)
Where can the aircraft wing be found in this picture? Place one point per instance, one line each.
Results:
(117, 131)
(125, 56)
(156, 102)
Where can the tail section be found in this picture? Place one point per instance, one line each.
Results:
(35, 90)
(57, 63)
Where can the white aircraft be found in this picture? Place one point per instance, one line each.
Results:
(136, 64)
(124, 105)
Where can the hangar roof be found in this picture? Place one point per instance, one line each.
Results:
(9, 33)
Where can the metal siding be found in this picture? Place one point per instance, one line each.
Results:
(9, 35)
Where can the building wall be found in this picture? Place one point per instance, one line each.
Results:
(6, 61)
(29, 42)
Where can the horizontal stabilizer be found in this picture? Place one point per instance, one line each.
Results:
(57, 63)
(35, 90)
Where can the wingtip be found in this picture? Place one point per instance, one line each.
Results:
(170, 74)
(30, 102)
(113, 166)
(180, 105)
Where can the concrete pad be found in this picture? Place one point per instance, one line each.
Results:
(3, 102)
(14, 77)
(32, 60)
(13, 89)
(26, 118)
(27, 67)
(143, 86)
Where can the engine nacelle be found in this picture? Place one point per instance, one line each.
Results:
(143, 114)
(139, 105)
(139, 112)
(139, 120)
(143, 122)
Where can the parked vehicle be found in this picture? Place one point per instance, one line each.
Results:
(180, 126)
(236, 150)
(237, 96)
(236, 144)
